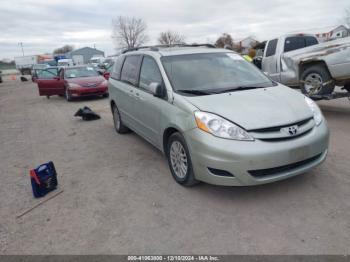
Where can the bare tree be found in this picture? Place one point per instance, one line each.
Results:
(170, 38)
(129, 32)
(64, 49)
(225, 40)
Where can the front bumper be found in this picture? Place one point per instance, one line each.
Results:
(280, 160)
(96, 91)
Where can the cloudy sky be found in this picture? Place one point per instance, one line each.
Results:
(43, 25)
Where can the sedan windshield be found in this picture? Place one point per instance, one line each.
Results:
(212, 73)
(80, 72)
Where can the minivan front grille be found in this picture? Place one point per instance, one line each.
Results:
(276, 139)
(276, 170)
(278, 128)
(280, 133)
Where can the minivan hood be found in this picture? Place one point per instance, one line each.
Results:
(256, 108)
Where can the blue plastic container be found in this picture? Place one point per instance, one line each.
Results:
(43, 179)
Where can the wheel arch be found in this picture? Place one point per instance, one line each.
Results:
(112, 104)
(306, 64)
(166, 134)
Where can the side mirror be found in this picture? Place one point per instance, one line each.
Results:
(106, 75)
(157, 89)
(56, 78)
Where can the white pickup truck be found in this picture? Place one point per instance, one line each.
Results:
(299, 60)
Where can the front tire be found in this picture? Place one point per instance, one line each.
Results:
(118, 123)
(179, 160)
(68, 95)
(316, 80)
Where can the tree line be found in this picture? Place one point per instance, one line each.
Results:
(131, 32)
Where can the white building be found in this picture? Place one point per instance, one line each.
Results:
(338, 32)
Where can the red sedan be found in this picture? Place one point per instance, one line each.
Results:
(72, 82)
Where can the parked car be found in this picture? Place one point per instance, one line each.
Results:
(0, 76)
(299, 60)
(215, 116)
(71, 82)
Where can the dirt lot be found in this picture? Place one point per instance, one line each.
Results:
(119, 196)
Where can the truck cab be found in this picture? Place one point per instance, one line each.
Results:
(298, 60)
(272, 62)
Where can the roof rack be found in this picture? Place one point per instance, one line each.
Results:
(156, 47)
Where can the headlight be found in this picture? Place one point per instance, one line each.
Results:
(220, 127)
(315, 110)
(73, 85)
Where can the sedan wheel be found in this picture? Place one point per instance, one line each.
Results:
(68, 95)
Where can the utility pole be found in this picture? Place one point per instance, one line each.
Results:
(21, 45)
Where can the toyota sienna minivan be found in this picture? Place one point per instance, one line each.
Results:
(216, 117)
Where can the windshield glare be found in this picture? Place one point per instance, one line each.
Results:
(213, 71)
(80, 72)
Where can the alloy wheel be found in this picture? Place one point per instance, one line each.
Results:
(178, 159)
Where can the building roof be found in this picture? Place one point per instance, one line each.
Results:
(86, 49)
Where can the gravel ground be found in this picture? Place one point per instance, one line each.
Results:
(119, 196)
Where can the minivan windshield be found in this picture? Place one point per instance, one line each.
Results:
(208, 73)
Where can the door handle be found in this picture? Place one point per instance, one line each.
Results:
(138, 96)
(130, 93)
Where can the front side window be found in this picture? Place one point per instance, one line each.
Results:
(75, 72)
(213, 72)
(149, 73)
(271, 47)
(49, 73)
(131, 69)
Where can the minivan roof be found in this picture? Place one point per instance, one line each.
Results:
(178, 50)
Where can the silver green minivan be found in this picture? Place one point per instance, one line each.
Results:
(215, 116)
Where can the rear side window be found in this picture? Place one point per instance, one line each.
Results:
(310, 40)
(271, 48)
(131, 68)
(294, 43)
(115, 74)
(149, 73)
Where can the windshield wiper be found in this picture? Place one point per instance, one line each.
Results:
(239, 88)
(195, 92)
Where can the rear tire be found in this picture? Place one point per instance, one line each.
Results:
(313, 79)
(118, 123)
(179, 161)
